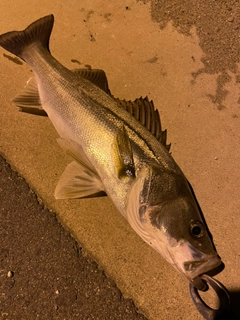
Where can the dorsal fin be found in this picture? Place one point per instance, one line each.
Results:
(96, 76)
(29, 100)
(143, 110)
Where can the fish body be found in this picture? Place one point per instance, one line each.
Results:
(119, 149)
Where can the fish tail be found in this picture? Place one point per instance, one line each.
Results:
(37, 32)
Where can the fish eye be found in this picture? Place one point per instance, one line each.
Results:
(196, 229)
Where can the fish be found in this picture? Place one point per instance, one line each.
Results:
(119, 150)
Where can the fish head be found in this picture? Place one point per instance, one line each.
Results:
(177, 225)
(164, 212)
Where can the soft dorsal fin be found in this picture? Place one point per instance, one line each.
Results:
(29, 100)
(96, 76)
(143, 110)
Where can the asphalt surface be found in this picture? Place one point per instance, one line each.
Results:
(43, 272)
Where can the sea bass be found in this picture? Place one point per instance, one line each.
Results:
(119, 149)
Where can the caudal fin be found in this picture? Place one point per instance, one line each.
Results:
(37, 32)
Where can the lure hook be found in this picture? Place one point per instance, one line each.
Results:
(207, 312)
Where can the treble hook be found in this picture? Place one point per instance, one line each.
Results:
(223, 312)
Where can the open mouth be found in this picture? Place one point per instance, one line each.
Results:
(194, 269)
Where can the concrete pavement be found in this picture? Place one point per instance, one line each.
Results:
(140, 59)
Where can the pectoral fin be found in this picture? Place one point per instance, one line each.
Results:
(80, 179)
(122, 154)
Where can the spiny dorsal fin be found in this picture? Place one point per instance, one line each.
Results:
(143, 110)
(96, 76)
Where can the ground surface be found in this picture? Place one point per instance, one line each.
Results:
(43, 273)
(185, 56)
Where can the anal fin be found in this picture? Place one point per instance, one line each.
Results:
(29, 100)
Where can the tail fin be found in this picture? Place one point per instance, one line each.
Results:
(37, 32)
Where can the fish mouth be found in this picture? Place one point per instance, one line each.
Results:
(194, 270)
